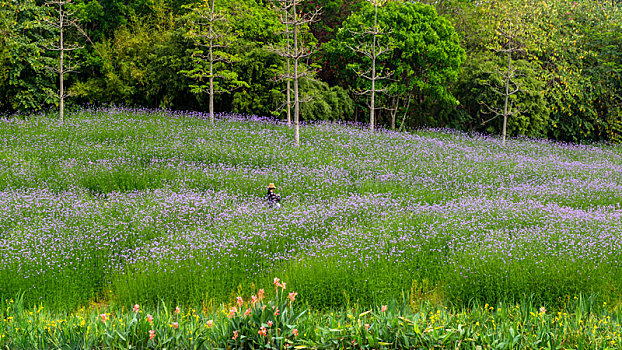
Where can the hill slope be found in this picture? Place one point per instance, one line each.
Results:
(138, 206)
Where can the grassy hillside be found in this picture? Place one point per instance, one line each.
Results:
(142, 206)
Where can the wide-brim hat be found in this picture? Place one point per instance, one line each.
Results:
(271, 185)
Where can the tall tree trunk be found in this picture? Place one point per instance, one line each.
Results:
(211, 65)
(289, 89)
(61, 70)
(507, 97)
(372, 108)
(296, 96)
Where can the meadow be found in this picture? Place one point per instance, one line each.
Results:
(126, 206)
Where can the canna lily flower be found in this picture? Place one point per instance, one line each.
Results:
(232, 311)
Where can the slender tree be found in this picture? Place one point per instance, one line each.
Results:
(295, 50)
(285, 9)
(65, 20)
(211, 36)
(510, 86)
(370, 45)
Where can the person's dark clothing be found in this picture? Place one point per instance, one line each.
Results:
(272, 198)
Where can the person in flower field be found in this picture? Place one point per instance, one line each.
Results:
(272, 198)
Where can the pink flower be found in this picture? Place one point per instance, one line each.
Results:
(247, 312)
(151, 334)
(253, 300)
(210, 323)
(260, 294)
(103, 317)
(270, 323)
(235, 335)
(149, 318)
(542, 310)
(276, 282)
(295, 332)
(263, 331)
(136, 308)
(240, 301)
(283, 285)
(276, 312)
(383, 308)
(177, 310)
(232, 311)
(175, 325)
(367, 326)
(292, 296)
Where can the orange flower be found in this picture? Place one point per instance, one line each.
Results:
(151, 334)
(263, 331)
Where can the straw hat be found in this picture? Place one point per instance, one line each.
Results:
(271, 185)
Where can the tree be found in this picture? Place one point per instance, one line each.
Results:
(370, 46)
(297, 21)
(510, 85)
(66, 20)
(425, 58)
(284, 7)
(23, 79)
(210, 33)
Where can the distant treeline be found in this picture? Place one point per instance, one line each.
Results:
(443, 63)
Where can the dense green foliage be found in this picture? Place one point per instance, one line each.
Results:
(278, 320)
(136, 54)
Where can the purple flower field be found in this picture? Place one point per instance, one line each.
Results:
(142, 206)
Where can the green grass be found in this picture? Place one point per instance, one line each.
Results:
(128, 206)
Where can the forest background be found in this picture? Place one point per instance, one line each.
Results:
(445, 65)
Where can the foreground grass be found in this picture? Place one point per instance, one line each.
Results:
(131, 206)
(281, 323)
